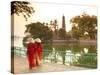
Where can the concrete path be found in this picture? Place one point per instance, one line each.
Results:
(21, 66)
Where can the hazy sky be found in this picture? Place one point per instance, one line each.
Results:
(49, 11)
(44, 12)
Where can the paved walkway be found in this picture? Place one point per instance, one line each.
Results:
(21, 66)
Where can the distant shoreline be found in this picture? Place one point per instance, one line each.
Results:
(84, 42)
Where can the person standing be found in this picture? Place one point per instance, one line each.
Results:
(31, 53)
(38, 53)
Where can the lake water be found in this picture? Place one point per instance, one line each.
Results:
(72, 46)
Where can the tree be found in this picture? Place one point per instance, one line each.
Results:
(69, 35)
(39, 30)
(21, 7)
(86, 23)
(75, 32)
(62, 33)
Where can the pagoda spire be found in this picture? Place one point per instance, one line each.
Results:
(63, 22)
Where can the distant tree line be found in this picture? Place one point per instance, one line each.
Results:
(83, 27)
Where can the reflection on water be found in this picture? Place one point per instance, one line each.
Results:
(74, 47)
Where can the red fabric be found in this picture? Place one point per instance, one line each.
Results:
(34, 50)
(39, 50)
(30, 54)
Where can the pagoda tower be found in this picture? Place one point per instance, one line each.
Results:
(63, 22)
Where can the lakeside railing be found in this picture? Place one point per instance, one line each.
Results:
(63, 57)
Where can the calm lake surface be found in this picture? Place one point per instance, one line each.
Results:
(61, 46)
(71, 46)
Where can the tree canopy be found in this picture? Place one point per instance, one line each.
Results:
(62, 33)
(39, 30)
(22, 7)
(85, 24)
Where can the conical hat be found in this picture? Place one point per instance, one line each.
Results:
(38, 40)
(31, 40)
